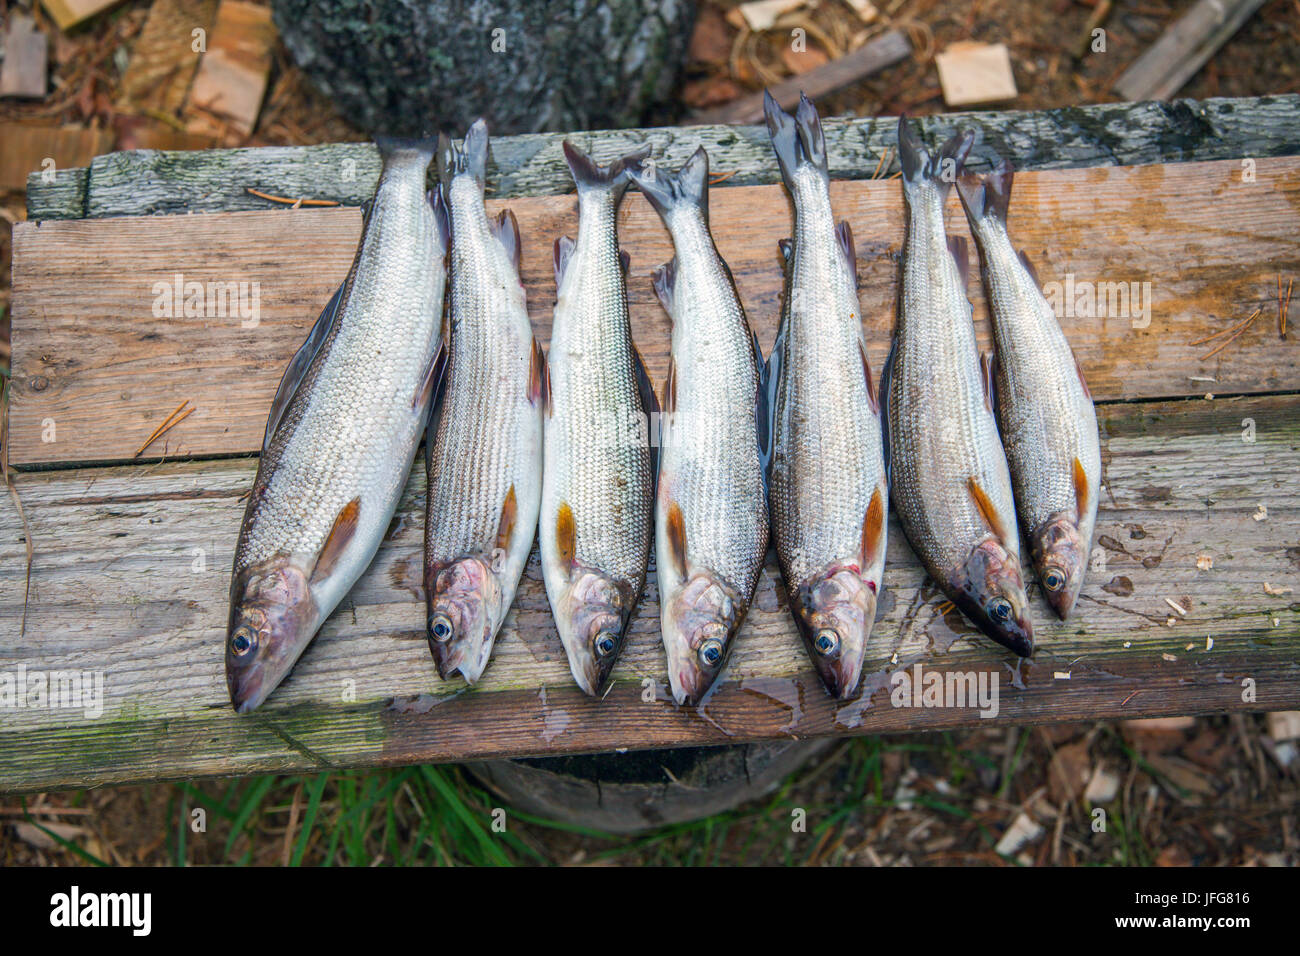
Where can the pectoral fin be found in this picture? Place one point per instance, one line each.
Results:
(1081, 490)
(565, 535)
(336, 542)
(988, 371)
(677, 538)
(506, 526)
(538, 375)
(873, 531)
(987, 511)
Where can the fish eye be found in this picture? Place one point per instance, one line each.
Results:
(827, 642)
(1000, 610)
(1054, 579)
(440, 628)
(243, 640)
(605, 644)
(711, 652)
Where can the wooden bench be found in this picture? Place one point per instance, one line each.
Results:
(131, 557)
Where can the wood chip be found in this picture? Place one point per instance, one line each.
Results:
(1276, 592)
(68, 13)
(1204, 562)
(1022, 831)
(1178, 608)
(1283, 725)
(1260, 513)
(976, 73)
(26, 58)
(762, 15)
(232, 75)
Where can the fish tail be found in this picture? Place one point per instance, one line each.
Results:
(987, 196)
(689, 186)
(612, 178)
(469, 158)
(397, 148)
(796, 139)
(920, 167)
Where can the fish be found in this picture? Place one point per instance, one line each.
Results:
(711, 520)
(483, 449)
(949, 480)
(342, 433)
(828, 490)
(1043, 405)
(598, 474)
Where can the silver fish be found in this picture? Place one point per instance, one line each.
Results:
(829, 492)
(598, 480)
(484, 445)
(1044, 408)
(711, 517)
(342, 433)
(949, 477)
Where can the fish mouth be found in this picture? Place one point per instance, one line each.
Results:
(273, 617)
(464, 601)
(699, 625)
(835, 610)
(593, 627)
(990, 591)
(1060, 558)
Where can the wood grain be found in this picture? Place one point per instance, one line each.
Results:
(131, 576)
(95, 371)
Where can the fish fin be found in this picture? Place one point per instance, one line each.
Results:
(563, 252)
(987, 196)
(1078, 369)
(589, 176)
(649, 404)
(987, 511)
(762, 411)
(988, 378)
(624, 263)
(537, 375)
(689, 186)
(786, 246)
(509, 514)
(301, 362)
(1029, 267)
(960, 250)
(796, 139)
(506, 228)
(677, 538)
(565, 536)
(345, 526)
(668, 404)
(470, 158)
(873, 396)
(665, 279)
(422, 148)
(920, 166)
(886, 376)
(1081, 490)
(442, 362)
(429, 383)
(844, 235)
(873, 527)
(441, 217)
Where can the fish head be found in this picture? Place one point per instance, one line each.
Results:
(835, 610)
(464, 601)
(1060, 555)
(273, 617)
(990, 591)
(700, 621)
(597, 615)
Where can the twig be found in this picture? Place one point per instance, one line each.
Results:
(1232, 338)
(1286, 304)
(291, 202)
(168, 423)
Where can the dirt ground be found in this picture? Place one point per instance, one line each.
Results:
(1210, 791)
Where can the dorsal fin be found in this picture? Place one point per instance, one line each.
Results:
(301, 362)
(1029, 267)
(537, 376)
(563, 252)
(1081, 490)
(873, 531)
(677, 537)
(506, 228)
(988, 360)
(987, 511)
(509, 513)
(669, 403)
(345, 526)
(565, 536)
(844, 238)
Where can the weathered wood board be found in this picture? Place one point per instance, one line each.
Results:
(1172, 252)
(131, 576)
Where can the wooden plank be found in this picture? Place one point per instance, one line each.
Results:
(163, 57)
(41, 151)
(131, 578)
(1184, 48)
(69, 13)
(26, 58)
(1108, 134)
(870, 58)
(231, 78)
(1200, 264)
